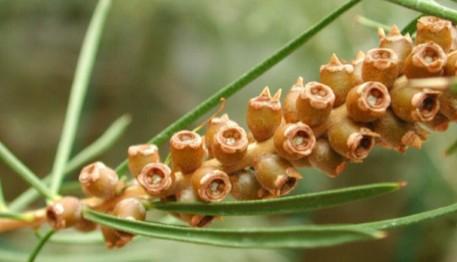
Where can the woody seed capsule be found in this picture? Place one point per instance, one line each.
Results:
(339, 77)
(326, 159)
(64, 213)
(214, 124)
(98, 180)
(290, 108)
(315, 103)
(425, 60)
(357, 63)
(448, 105)
(245, 185)
(414, 104)
(440, 123)
(275, 174)
(398, 134)
(381, 65)
(187, 151)
(350, 139)
(157, 179)
(435, 29)
(264, 114)
(211, 184)
(141, 155)
(230, 144)
(401, 45)
(451, 65)
(368, 101)
(294, 140)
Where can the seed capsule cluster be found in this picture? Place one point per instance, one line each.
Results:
(326, 125)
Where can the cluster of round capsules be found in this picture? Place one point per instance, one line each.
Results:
(324, 125)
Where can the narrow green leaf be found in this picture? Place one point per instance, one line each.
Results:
(365, 21)
(428, 7)
(98, 147)
(410, 28)
(283, 237)
(283, 205)
(411, 219)
(16, 165)
(40, 245)
(78, 91)
(452, 148)
(3, 206)
(78, 238)
(15, 216)
(246, 78)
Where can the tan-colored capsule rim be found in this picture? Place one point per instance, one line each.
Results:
(420, 99)
(186, 139)
(381, 58)
(143, 149)
(420, 57)
(320, 96)
(232, 144)
(358, 150)
(305, 147)
(205, 189)
(155, 169)
(365, 91)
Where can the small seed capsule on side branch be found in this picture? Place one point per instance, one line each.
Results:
(275, 174)
(230, 144)
(245, 185)
(401, 45)
(211, 184)
(98, 180)
(414, 104)
(435, 29)
(64, 213)
(398, 134)
(141, 155)
(187, 151)
(368, 101)
(425, 60)
(326, 159)
(157, 179)
(290, 102)
(314, 103)
(294, 140)
(381, 65)
(339, 77)
(264, 114)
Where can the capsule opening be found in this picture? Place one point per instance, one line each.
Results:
(430, 55)
(429, 106)
(319, 90)
(364, 146)
(289, 185)
(187, 137)
(381, 54)
(231, 136)
(52, 217)
(217, 188)
(301, 140)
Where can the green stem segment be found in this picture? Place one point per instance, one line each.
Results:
(78, 91)
(40, 245)
(16, 165)
(428, 7)
(245, 79)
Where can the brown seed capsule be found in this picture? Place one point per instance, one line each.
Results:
(368, 101)
(339, 77)
(141, 155)
(187, 151)
(350, 139)
(401, 45)
(425, 60)
(448, 105)
(357, 63)
(435, 29)
(290, 108)
(294, 140)
(451, 65)
(210, 184)
(275, 174)
(381, 65)
(264, 114)
(315, 103)
(245, 185)
(214, 124)
(414, 104)
(326, 159)
(440, 123)
(98, 180)
(64, 213)
(230, 144)
(398, 134)
(85, 226)
(157, 179)
(130, 208)
(114, 238)
(186, 193)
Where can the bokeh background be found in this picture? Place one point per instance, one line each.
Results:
(157, 60)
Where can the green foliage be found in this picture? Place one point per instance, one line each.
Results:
(283, 205)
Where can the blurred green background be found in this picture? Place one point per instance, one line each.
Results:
(157, 60)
